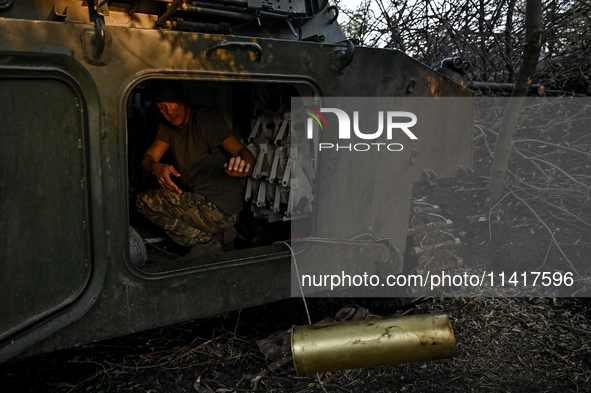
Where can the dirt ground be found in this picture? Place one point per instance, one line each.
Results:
(533, 344)
(504, 345)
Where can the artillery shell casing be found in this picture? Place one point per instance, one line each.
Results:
(372, 342)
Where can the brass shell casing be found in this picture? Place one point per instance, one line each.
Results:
(372, 342)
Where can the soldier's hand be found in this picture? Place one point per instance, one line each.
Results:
(162, 173)
(237, 167)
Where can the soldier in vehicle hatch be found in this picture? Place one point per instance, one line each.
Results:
(209, 160)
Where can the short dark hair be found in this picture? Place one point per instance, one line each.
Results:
(167, 91)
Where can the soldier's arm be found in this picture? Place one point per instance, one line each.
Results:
(242, 159)
(151, 163)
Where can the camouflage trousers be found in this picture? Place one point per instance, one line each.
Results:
(188, 218)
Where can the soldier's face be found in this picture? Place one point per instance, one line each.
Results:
(176, 113)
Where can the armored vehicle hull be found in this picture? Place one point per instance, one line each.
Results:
(76, 121)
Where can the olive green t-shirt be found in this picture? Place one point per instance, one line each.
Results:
(200, 158)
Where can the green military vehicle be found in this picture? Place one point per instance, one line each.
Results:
(78, 263)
